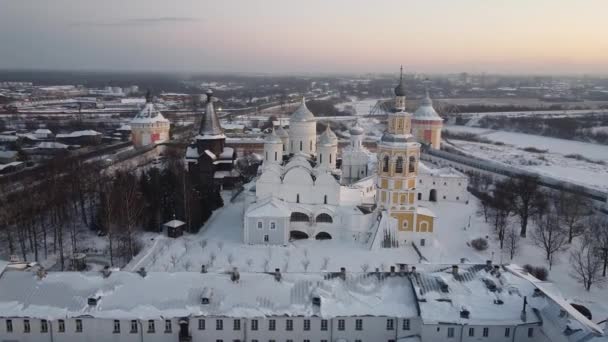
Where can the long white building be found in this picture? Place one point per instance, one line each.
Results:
(440, 303)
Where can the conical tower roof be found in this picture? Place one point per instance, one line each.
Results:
(426, 111)
(149, 114)
(210, 124)
(272, 138)
(328, 137)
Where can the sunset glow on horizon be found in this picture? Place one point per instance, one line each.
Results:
(515, 36)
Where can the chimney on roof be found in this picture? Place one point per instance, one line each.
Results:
(464, 313)
(413, 269)
(523, 310)
(392, 270)
(234, 275)
(455, 270)
(343, 273)
(92, 301)
(206, 296)
(142, 272)
(277, 274)
(203, 268)
(489, 264)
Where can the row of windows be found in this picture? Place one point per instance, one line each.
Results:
(301, 145)
(399, 164)
(298, 198)
(486, 332)
(444, 183)
(219, 325)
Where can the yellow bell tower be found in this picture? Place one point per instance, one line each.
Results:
(398, 155)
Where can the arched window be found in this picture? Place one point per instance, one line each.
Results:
(424, 226)
(399, 165)
(412, 167)
(404, 224)
(385, 164)
(298, 217)
(325, 199)
(325, 218)
(297, 198)
(300, 145)
(330, 158)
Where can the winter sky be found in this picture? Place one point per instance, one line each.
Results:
(283, 36)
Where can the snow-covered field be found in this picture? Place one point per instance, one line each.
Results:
(553, 163)
(219, 246)
(358, 107)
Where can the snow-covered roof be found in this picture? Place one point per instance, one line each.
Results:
(124, 127)
(302, 114)
(426, 111)
(12, 164)
(491, 297)
(441, 172)
(149, 114)
(51, 145)
(269, 207)
(227, 153)
(126, 295)
(75, 134)
(43, 131)
(425, 211)
(192, 152)
(174, 223)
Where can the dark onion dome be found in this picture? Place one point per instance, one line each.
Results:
(426, 110)
(400, 88)
(210, 125)
(302, 114)
(356, 129)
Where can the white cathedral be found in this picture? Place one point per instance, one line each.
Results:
(301, 194)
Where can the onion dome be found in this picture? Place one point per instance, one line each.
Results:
(272, 138)
(302, 114)
(328, 137)
(356, 129)
(400, 88)
(426, 110)
(281, 132)
(149, 114)
(210, 124)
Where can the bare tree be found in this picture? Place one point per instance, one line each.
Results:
(512, 241)
(529, 200)
(586, 263)
(598, 228)
(572, 210)
(550, 236)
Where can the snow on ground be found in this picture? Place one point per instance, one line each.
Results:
(552, 163)
(358, 107)
(219, 245)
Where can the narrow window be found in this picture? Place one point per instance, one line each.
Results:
(311, 146)
(219, 324)
(530, 332)
(272, 325)
(152, 328)
(406, 324)
(359, 324)
(254, 324)
(236, 324)
(276, 156)
(260, 224)
(306, 324)
(385, 164)
(273, 225)
(289, 325)
(201, 324)
(168, 327)
(507, 332)
(116, 326)
(266, 238)
(330, 158)
(412, 167)
(390, 324)
(472, 332)
(300, 145)
(341, 324)
(325, 199)
(78, 325)
(266, 156)
(26, 325)
(44, 326)
(323, 325)
(486, 332)
(297, 198)
(450, 332)
(9, 325)
(399, 165)
(320, 158)
(133, 326)
(61, 326)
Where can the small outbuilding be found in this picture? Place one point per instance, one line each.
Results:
(175, 228)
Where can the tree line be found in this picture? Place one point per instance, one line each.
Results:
(560, 220)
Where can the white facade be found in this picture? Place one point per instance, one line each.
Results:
(355, 157)
(302, 131)
(442, 185)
